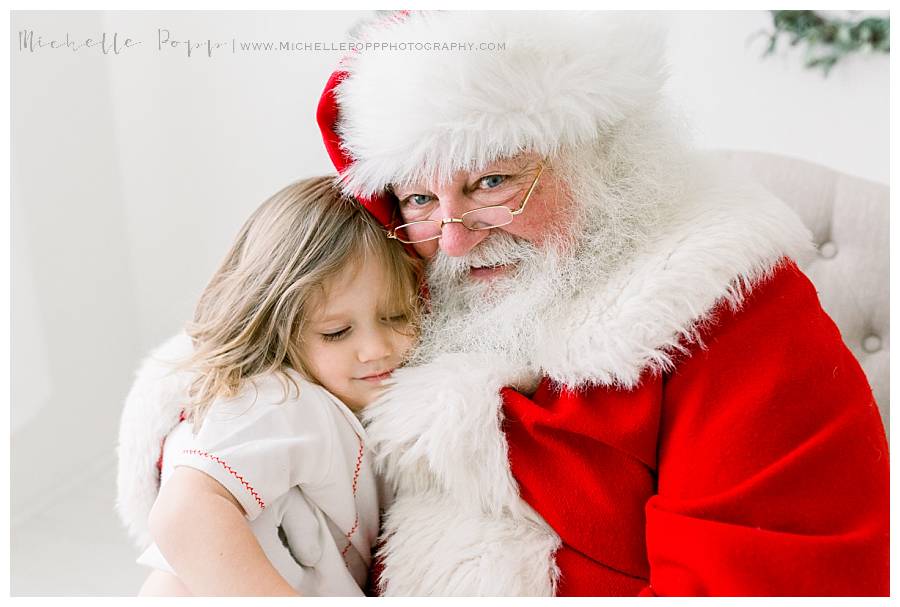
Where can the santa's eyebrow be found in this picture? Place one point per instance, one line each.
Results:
(411, 190)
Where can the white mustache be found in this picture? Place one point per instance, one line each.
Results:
(498, 249)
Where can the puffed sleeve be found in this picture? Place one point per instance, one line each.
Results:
(773, 463)
(261, 444)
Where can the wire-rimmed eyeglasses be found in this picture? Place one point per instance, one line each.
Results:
(482, 218)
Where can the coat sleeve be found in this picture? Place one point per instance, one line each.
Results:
(772, 462)
(152, 408)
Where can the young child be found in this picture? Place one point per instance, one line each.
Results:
(266, 486)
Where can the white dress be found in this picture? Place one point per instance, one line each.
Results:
(298, 467)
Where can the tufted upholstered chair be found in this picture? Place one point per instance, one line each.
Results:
(848, 218)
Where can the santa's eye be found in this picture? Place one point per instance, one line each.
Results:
(417, 201)
(491, 181)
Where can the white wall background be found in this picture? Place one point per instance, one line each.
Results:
(131, 174)
(735, 99)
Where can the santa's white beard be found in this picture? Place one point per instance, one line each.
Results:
(497, 316)
(506, 316)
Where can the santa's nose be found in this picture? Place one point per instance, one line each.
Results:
(457, 240)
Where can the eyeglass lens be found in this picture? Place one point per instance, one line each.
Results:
(477, 219)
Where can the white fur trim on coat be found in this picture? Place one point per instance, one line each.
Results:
(721, 238)
(563, 78)
(457, 525)
(152, 408)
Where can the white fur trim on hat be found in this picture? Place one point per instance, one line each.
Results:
(561, 79)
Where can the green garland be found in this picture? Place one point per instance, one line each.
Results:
(838, 38)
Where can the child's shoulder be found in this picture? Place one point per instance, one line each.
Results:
(286, 396)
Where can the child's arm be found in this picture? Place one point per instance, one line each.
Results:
(163, 583)
(201, 530)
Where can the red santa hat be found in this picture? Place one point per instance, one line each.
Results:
(407, 106)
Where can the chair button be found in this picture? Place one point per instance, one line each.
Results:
(828, 250)
(872, 344)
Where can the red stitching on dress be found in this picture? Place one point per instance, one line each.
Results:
(349, 535)
(359, 458)
(231, 471)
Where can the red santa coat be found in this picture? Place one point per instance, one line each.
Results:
(758, 466)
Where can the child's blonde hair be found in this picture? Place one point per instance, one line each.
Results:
(250, 316)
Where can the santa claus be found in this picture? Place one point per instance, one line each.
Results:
(625, 384)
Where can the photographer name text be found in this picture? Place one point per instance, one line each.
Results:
(116, 43)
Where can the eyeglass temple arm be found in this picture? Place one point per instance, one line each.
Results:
(528, 194)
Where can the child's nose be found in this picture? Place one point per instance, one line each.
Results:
(375, 347)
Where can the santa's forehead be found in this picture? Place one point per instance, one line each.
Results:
(505, 165)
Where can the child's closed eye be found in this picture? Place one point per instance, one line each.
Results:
(336, 335)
